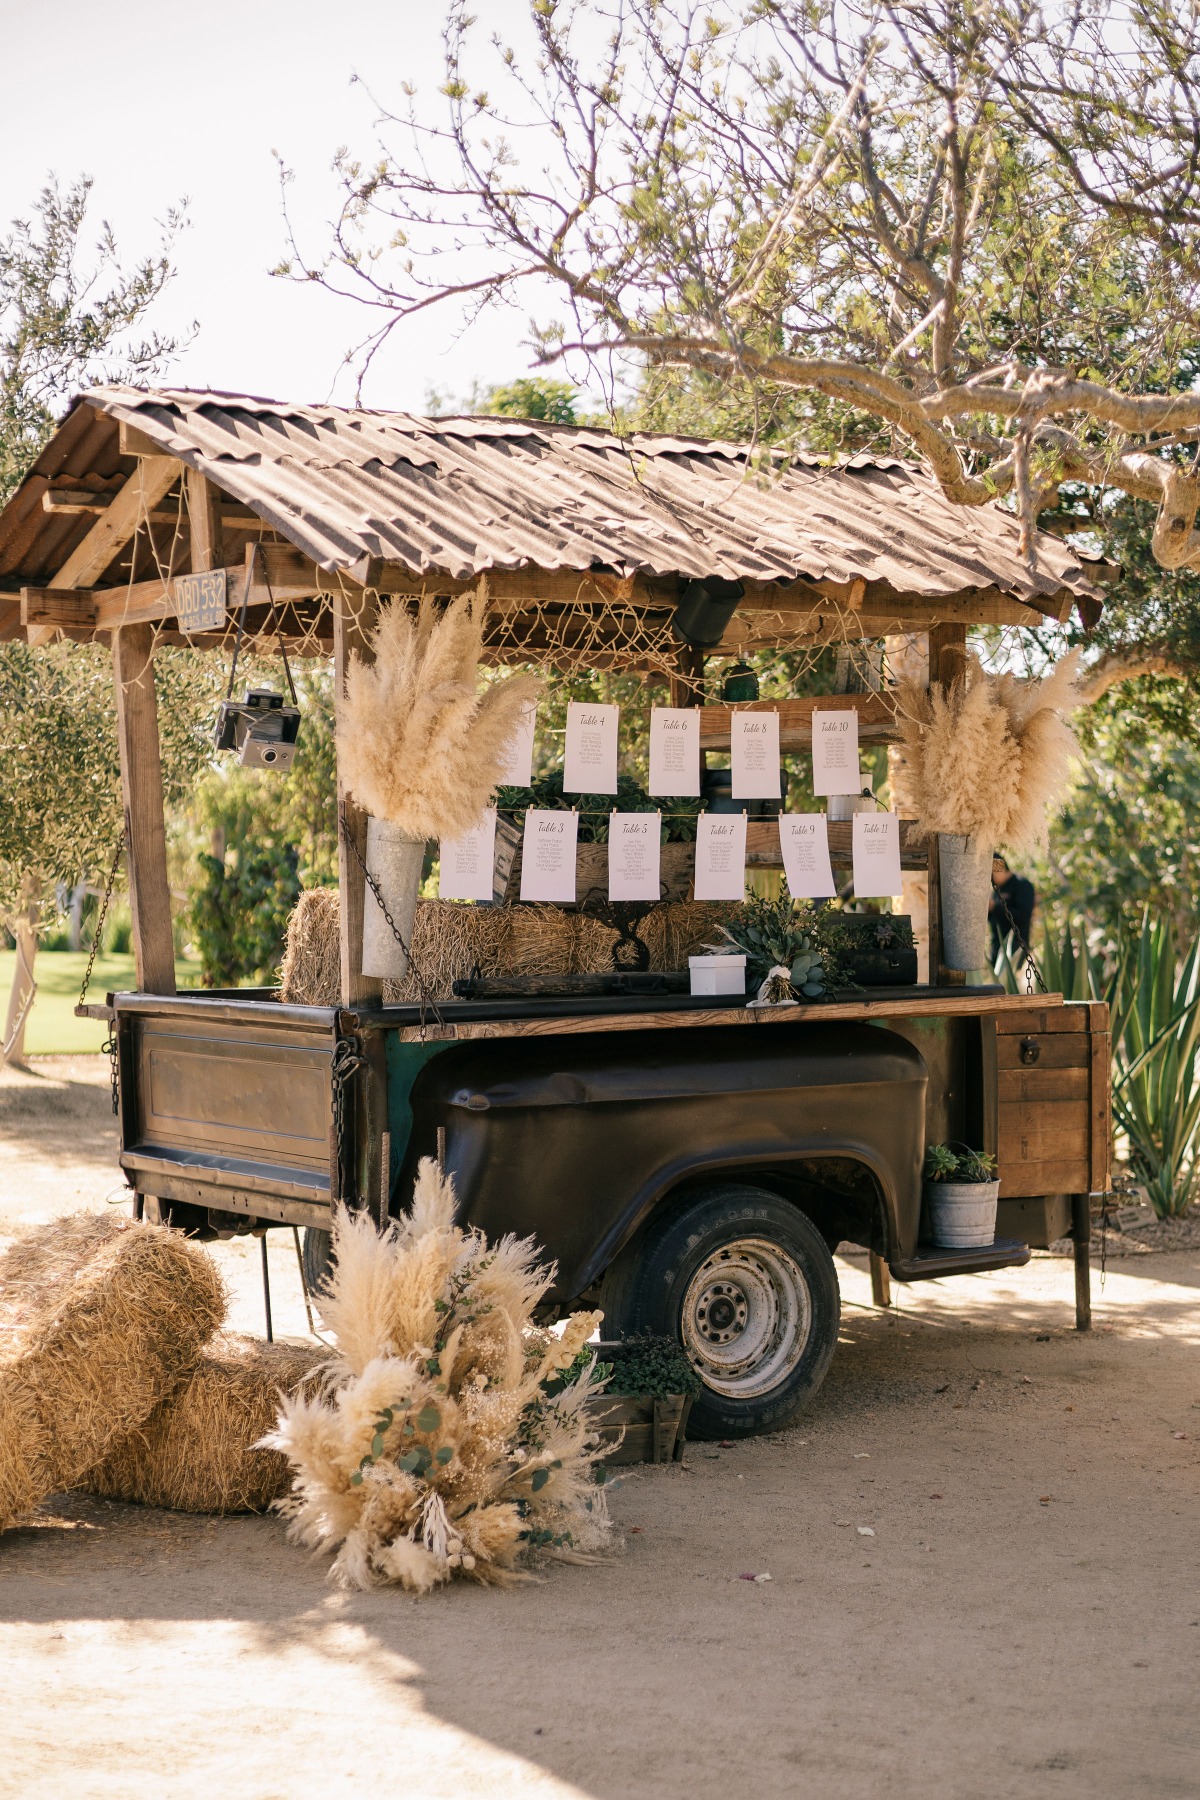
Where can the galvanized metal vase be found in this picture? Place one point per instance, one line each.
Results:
(965, 872)
(394, 861)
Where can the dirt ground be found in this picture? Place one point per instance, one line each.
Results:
(981, 1544)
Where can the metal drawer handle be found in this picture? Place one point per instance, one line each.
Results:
(1030, 1050)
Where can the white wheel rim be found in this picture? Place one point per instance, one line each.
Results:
(746, 1318)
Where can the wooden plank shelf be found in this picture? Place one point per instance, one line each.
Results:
(763, 852)
(903, 1003)
(876, 719)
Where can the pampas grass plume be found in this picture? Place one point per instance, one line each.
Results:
(420, 743)
(990, 757)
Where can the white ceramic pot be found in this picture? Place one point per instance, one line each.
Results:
(965, 873)
(962, 1214)
(395, 862)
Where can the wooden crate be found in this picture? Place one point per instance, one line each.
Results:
(1053, 1099)
(639, 1428)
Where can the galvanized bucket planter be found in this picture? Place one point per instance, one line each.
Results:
(394, 862)
(965, 874)
(962, 1214)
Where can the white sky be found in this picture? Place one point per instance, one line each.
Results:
(157, 102)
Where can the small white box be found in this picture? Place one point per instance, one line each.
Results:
(718, 974)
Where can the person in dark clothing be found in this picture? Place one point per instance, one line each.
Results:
(1010, 908)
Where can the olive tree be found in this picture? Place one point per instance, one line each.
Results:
(69, 317)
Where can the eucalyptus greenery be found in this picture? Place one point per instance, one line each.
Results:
(792, 935)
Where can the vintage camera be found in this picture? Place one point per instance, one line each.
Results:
(260, 728)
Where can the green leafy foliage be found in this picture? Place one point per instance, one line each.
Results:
(238, 913)
(67, 320)
(60, 784)
(648, 1364)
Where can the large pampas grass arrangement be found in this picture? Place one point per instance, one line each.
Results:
(988, 758)
(444, 1441)
(421, 743)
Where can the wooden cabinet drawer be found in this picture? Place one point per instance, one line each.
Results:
(1053, 1119)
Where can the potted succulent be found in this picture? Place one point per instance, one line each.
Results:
(644, 1409)
(978, 765)
(961, 1191)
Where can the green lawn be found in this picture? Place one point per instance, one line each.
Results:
(52, 1028)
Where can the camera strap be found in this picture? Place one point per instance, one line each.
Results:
(241, 624)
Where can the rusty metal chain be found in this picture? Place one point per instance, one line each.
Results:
(99, 931)
(347, 1061)
(110, 1045)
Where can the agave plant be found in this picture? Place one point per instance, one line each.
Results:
(1154, 1012)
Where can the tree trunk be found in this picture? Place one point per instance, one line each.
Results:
(21, 994)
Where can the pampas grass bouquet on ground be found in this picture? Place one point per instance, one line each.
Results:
(444, 1441)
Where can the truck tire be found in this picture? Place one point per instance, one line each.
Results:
(746, 1284)
(317, 1257)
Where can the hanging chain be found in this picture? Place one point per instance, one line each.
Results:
(110, 1042)
(1033, 973)
(348, 1059)
(425, 995)
(99, 931)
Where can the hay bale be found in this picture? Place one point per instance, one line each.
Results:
(451, 941)
(195, 1453)
(312, 962)
(101, 1321)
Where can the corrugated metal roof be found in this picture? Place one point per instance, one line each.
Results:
(463, 495)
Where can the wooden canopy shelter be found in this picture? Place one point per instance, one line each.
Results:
(302, 518)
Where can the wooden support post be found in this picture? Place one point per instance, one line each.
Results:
(142, 788)
(204, 515)
(1081, 1232)
(881, 1281)
(687, 688)
(354, 615)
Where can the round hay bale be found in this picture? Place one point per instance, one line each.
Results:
(101, 1324)
(312, 967)
(196, 1452)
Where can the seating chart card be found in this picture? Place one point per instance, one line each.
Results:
(876, 847)
(590, 763)
(835, 753)
(633, 843)
(754, 755)
(548, 856)
(468, 861)
(804, 841)
(721, 856)
(517, 768)
(675, 751)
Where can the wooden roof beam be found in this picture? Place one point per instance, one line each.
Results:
(143, 490)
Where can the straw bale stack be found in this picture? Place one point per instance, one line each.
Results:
(197, 1452)
(451, 941)
(100, 1321)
